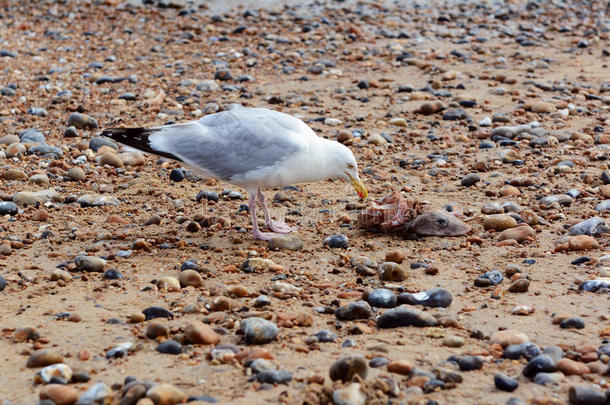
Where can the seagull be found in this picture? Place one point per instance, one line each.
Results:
(251, 148)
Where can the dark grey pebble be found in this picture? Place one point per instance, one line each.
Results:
(382, 298)
(528, 350)
(38, 112)
(378, 362)
(207, 195)
(586, 395)
(515, 401)
(273, 376)
(405, 316)
(542, 363)
(7, 91)
(80, 377)
(435, 298)
(325, 335)
(157, 312)
(176, 175)
(433, 385)
(346, 367)
(572, 323)
(594, 285)
(202, 398)
(354, 310)
(348, 343)
(223, 74)
(470, 179)
(127, 96)
(467, 363)
(336, 241)
(573, 193)
(262, 301)
(70, 132)
(580, 260)
(31, 136)
(505, 383)
(112, 274)
(605, 177)
(4, 53)
(603, 206)
(8, 208)
(490, 278)
(454, 114)
(2, 283)
(170, 347)
(97, 142)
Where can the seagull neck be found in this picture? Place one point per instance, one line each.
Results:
(322, 158)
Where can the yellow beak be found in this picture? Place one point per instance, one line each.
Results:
(359, 187)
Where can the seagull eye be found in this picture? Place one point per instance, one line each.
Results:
(350, 166)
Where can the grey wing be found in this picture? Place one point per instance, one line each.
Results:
(231, 148)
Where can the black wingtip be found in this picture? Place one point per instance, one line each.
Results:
(136, 138)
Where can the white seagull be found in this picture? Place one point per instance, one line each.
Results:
(252, 148)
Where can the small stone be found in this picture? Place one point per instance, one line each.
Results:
(539, 364)
(110, 159)
(354, 310)
(8, 208)
(520, 234)
(43, 358)
(505, 383)
(453, 341)
(258, 330)
(336, 241)
(197, 332)
(400, 367)
(349, 395)
(390, 271)
(190, 278)
(169, 284)
(60, 394)
(76, 174)
(90, 264)
(14, 174)
(99, 393)
(499, 222)
(58, 370)
(166, 394)
(508, 337)
(437, 297)
(382, 298)
(592, 226)
(572, 367)
(468, 363)
(582, 242)
(587, 395)
(274, 377)
(543, 378)
(170, 347)
(40, 215)
(133, 159)
(489, 278)
(347, 367)
(287, 242)
(395, 256)
(519, 286)
(157, 312)
(81, 121)
(24, 334)
(405, 316)
(325, 335)
(470, 179)
(572, 323)
(176, 175)
(15, 150)
(430, 108)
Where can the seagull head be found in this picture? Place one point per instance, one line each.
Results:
(345, 167)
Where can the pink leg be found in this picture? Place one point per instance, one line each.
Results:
(279, 227)
(255, 231)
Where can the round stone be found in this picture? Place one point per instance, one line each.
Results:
(347, 367)
(505, 383)
(258, 330)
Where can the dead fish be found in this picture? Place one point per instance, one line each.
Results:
(437, 223)
(396, 214)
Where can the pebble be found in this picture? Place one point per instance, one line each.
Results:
(489, 278)
(274, 377)
(499, 222)
(572, 367)
(197, 332)
(594, 285)
(405, 316)
(166, 394)
(467, 363)
(561, 199)
(437, 297)
(587, 395)
(287, 242)
(157, 312)
(170, 347)
(36, 197)
(453, 341)
(110, 159)
(519, 286)
(349, 395)
(81, 121)
(377, 362)
(527, 350)
(390, 271)
(508, 337)
(76, 174)
(325, 335)
(99, 393)
(347, 367)
(190, 278)
(59, 394)
(354, 310)
(57, 370)
(592, 226)
(15, 150)
(548, 378)
(519, 234)
(470, 180)
(572, 323)
(542, 363)
(336, 241)
(505, 383)
(400, 367)
(582, 242)
(258, 331)
(382, 298)
(168, 284)
(90, 264)
(96, 200)
(8, 208)
(43, 358)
